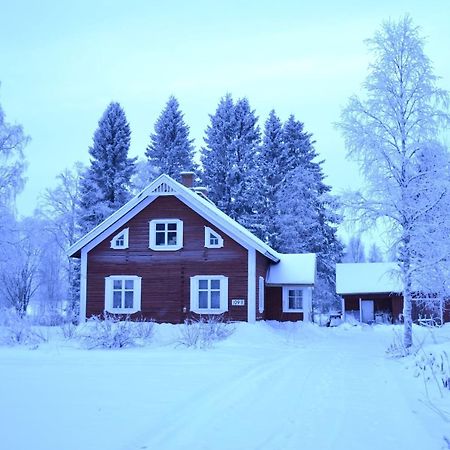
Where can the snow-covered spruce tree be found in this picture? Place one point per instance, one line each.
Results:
(272, 167)
(389, 132)
(307, 222)
(171, 151)
(355, 252)
(230, 161)
(105, 184)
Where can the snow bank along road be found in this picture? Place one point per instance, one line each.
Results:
(268, 386)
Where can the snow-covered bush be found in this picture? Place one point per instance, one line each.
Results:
(204, 331)
(397, 348)
(16, 330)
(434, 367)
(111, 331)
(68, 330)
(143, 329)
(107, 331)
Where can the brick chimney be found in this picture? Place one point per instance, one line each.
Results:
(187, 179)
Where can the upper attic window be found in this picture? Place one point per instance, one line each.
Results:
(212, 238)
(166, 234)
(120, 240)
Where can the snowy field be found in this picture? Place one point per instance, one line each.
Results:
(268, 386)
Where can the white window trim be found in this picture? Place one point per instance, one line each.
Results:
(109, 294)
(208, 232)
(286, 290)
(223, 294)
(261, 287)
(117, 236)
(166, 248)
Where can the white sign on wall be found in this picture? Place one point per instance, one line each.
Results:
(237, 302)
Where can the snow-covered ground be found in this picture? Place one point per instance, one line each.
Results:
(268, 386)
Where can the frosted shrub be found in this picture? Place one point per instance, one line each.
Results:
(18, 330)
(204, 331)
(434, 367)
(107, 331)
(144, 329)
(68, 330)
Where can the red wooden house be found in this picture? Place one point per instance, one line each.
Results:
(170, 253)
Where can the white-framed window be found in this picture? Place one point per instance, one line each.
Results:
(261, 284)
(293, 298)
(123, 294)
(212, 238)
(166, 234)
(209, 294)
(120, 240)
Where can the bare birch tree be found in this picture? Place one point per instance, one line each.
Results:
(393, 134)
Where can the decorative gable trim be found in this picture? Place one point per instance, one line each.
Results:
(163, 189)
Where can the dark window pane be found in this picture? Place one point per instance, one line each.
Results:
(160, 227)
(203, 284)
(128, 299)
(215, 299)
(203, 299)
(172, 226)
(215, 284)
(129, 284)
(117, 299)
(160, 238)
(213, 241)
(117, 284)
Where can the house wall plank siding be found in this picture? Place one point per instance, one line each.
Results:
(166, 274)
(274, 306)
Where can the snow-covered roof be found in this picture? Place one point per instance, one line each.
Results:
(367, 278)
(293, 269)
(165, 185)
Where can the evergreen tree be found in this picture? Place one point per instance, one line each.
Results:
(105, 184)
(272, 168)
(230, 161)
(307, 220)
(171, 151)
(307, 223)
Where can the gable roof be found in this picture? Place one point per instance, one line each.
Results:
(368, 278)
(163, 186)
(293, 268)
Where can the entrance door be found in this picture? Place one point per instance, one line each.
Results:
(367, 311)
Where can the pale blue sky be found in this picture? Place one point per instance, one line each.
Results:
(61, 63)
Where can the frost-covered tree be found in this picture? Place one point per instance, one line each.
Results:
(392, 132)
(59, 208)
(171, 151)
(355, 251)
(375, 254)
(105, 184)
(20, 261)
(230, 161)
(12, 161)
(306, 223)
(272, 169)
(144, 174)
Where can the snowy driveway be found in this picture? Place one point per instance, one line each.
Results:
(263, 388)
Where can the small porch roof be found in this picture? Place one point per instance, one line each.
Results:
(293, 269)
